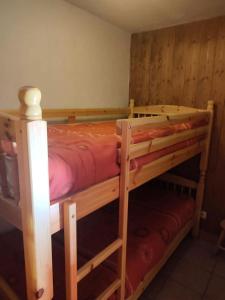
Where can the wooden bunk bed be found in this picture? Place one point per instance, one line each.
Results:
(28, 130)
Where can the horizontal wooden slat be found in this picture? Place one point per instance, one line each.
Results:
(64, 113)
(160, 109)
(172, 178)
(160, 143)
(98, 259)
(160, 166)
(110, 290)
(151, 109)
(87, 201)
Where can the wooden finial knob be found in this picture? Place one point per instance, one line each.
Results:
(30, 99)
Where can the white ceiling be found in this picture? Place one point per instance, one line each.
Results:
(143, 15)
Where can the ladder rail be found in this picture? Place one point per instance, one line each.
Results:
(70, 236)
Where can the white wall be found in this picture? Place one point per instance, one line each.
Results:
(75, 58)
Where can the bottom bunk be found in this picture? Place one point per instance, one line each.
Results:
(158, 221)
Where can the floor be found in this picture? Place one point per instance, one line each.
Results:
(194, 272)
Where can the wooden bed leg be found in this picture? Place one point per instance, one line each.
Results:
(131, 106)
(31, 138)
(70, 234)
(203, 169)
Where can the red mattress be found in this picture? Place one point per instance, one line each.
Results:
(154, 221)
(155, 218)
(81, 155)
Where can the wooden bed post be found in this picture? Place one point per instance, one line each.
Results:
(31, 137)
(131, 106)
(203, 170)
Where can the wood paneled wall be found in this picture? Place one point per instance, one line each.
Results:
(185, 65)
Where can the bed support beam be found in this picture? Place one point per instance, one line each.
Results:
(31, 136)
(203, 170)
(179, 180)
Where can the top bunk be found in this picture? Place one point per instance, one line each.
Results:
(146, 143)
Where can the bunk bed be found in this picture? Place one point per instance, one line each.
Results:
(151, 141)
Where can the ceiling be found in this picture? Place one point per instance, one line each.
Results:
(143, 15)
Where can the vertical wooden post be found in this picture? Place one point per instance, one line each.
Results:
(70, 233)
(203, 169)
(31, 137)
(131, 106)
(123, 202)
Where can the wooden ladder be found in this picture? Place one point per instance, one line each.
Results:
(73, 276)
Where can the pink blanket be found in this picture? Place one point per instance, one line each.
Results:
(81, 155)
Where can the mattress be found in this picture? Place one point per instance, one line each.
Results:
(81, 155)
(155, 218)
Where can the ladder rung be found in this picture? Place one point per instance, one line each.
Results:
(98, 259)
(109, 290)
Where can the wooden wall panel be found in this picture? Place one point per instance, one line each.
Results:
(185, 65)
(140, 65)
(178, 64)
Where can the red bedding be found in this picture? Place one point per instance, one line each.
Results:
(81, 155)
(154, 221)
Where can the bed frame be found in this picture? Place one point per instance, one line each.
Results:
(38, 219)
